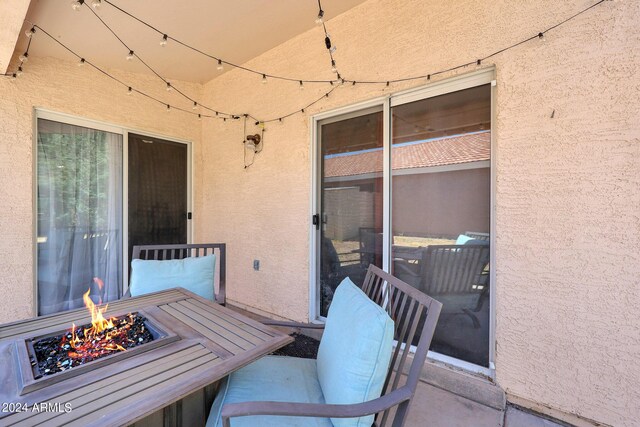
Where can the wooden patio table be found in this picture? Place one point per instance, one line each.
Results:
(207, 342)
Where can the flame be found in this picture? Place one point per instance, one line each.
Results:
(98, 322)
(92, 340)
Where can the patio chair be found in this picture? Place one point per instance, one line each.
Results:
(195, 273)
(458, 276)
(357, 342)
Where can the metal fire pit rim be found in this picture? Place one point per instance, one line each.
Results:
(26, 378)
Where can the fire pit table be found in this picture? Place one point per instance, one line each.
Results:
(178, 345)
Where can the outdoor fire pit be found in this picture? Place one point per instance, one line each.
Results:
(55, 352)
(49, 358)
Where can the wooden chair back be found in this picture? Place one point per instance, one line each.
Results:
(415, 316)
(455, 269)
(181, 251)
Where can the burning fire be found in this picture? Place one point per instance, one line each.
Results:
(99, 337)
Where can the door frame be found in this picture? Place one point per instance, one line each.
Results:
(453, 84)
(46, 114)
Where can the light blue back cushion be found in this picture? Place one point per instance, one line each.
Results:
(462, 239)
(354, 352)
(192, 273)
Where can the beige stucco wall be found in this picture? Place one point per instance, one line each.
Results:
(567, 190)
(63, 87)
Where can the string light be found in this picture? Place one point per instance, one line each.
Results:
(333, 67)
(195, 106)
(319, 19)
(129, 91)
(81, 62)
(19, 72)
(301, 85)
(220, 66)
(77, 4)
(199, 116)
(30, 32)
(478, 62)
(163, 42)
(96, 4)
(203, 53)
(169, 88)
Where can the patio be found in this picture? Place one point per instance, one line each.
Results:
(484, 155)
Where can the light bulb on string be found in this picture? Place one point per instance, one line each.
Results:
(333, 66)
(130, 55)
(168, 108)
(541, 36)
(199, 116)
(333, 48)
(220, 66)
(195, 106)
(163, 42)
(77, 4)
(81, 62)
(169, 88)
(301, 85)
(320, 17)
(24, 57)
(19, 72)
(130, 90)
(264, 79)
(96, 4)
(30, 33)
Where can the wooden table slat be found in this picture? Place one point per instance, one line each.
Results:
(79, 396)
(105, 403)
(242, 325)
(213, 342)
(223, 323)
(208, 329)
(79, 316)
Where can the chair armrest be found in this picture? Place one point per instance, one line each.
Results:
(315, 409)
(293, 324)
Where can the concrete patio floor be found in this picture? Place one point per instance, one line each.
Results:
(435, 407)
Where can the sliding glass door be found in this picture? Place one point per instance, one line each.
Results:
(79, 217)
(441, 195)
(412, 193)
(101, 190)
(350, 218)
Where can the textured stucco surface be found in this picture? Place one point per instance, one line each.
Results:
(63, 87)
(567, 190)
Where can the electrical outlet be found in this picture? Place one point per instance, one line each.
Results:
(256, 264)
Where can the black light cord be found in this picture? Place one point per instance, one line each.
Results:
(326, 95)
(215, 58)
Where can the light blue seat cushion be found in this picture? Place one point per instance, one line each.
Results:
(192, 273)
(463, 239)
(272, 378)
(355, 351)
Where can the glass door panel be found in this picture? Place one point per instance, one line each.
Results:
(79, 216)
(351, 201)
(158, 189)
(441, 183)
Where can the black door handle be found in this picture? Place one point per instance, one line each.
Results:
(316, 221)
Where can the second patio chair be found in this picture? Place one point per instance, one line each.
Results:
(359, 376)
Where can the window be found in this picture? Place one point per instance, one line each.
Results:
(424, 214)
